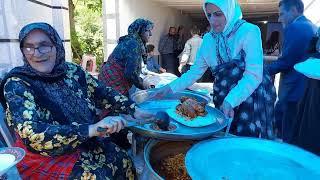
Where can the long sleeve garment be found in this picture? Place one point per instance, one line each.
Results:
(152, 65)
(130, 53)
(167, 44)
(297, 38)
(190, 50)
(246, 38)
(52, 118)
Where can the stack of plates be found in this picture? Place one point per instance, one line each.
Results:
(10, 156)
(310, 68)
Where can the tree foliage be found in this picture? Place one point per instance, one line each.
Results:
(86, 29)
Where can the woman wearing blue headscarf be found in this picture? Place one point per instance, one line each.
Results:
(124, 65)
(51, 105)
(123, 68)
(233, 51)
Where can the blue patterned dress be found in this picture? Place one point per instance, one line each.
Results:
(50, 114)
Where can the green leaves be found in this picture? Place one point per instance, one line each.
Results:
(87, 35)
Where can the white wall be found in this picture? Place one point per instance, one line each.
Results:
(14, 14)
(162, 16)
(312, 8)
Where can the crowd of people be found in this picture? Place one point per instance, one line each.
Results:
(56, 107)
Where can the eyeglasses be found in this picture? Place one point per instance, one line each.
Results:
(41, 49)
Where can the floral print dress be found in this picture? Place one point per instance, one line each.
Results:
(51, 120)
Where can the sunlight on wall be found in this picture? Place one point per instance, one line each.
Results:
(312, 8)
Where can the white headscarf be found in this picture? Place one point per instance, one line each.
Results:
(232, 11)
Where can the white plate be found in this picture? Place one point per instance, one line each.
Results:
(250, 159)
(6, 160)
(310, 68)
(199, 121)
(10, 156)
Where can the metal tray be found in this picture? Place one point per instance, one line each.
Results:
(181, 132)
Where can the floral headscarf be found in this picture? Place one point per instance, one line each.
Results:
(135, 30)
(60, 66)
(232, 11)
(139, 26)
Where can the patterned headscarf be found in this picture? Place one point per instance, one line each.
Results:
(135, 30)
(60, 66)
(139, 26)
(232, 11)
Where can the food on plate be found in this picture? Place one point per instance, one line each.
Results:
(173, 167)
(162, 120)
(171, 127)
(190, 108)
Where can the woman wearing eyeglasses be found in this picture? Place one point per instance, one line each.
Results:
(51, 104)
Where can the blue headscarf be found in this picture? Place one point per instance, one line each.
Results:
(60, 67)
(139, 26)
(135, 29)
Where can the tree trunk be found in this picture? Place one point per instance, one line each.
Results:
(75, 45)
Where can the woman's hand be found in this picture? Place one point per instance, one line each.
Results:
(160, 93)
(227, 109)
(143, 114)
(162, 70)
(180, 68)
(111, 124)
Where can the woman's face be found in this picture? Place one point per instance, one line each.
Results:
(39, 51)
(216, 18)
(146, 35)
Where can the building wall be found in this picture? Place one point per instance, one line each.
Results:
(311, 11)
(14, 14)
(126, 11)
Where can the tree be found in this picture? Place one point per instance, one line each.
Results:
(86, 29)
(75, 44)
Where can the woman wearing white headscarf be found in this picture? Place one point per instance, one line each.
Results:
(233, 51)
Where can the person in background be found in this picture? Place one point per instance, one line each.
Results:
(273, 44)
(241, 88)
(298, 32)
(206, 31)
(190, 50)
(52, 106)
(123, 68)
(306, 125)
(89, 63)
(151, 63)
(182, 37)
(167, 47)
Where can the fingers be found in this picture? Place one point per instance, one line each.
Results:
(119, 126)
(143, 114)
(153, 95)
(229, 113)
(114, 124)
